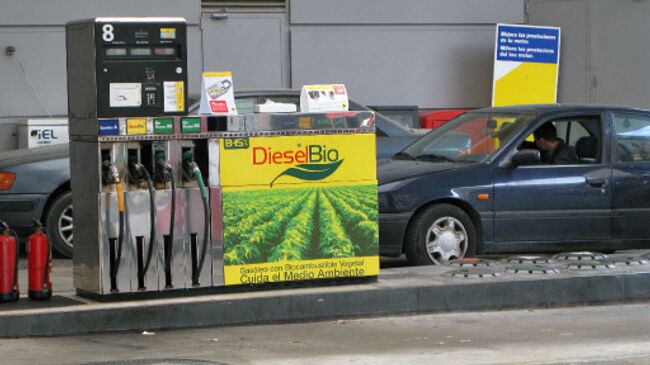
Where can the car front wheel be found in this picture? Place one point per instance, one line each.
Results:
(59, 223)
(440, 233)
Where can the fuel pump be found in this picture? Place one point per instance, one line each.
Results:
(127, 81)
(8, 264)
(192, 171)
(39, 263)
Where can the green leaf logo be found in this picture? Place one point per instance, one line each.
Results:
(310, 171)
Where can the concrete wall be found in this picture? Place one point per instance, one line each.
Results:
(605, 49)
(432, 53)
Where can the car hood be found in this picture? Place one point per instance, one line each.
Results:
(391, 170)
(29, 155)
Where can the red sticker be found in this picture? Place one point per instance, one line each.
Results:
(218, 106)
(339, 89)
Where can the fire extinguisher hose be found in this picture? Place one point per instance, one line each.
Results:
(15, 283)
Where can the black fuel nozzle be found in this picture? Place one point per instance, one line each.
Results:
(109, 173)
(136, 171)
(162, 170)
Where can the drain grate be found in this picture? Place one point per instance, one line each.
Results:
(472, 273)
(530, 260)
(629, 260)
(591, 265)
(580, 256)
(472, 262)
(531, 269)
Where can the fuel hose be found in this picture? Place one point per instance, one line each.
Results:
(172, 215)
(164, 173)
(138, 171)
(206, 223)
(193, 172)
(119, 190)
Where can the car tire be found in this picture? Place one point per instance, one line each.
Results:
(438, 234)
(58, 220)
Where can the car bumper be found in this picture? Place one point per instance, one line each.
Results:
(392, 228)
(18, 210)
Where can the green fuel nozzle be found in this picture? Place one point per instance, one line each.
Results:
(192, 171)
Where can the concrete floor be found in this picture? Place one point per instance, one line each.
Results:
(616, 334)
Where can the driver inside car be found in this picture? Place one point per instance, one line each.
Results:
(555, 151)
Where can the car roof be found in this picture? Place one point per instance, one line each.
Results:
(547, 108)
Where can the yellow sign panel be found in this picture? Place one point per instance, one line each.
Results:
(272, 272)
(323, 159)
(136, 126)
(530, 83)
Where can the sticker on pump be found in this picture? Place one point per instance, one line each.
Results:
(174, 96)
(136, 126)
(125, 94)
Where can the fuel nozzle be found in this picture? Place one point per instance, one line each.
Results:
(137, 171)
(190, 168)
(110, 176)
(163, 170)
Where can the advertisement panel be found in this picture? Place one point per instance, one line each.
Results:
(299, 208)
(526, 65)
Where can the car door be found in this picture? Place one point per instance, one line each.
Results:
(556, 204)
(631, 178)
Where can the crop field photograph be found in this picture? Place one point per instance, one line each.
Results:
(300, 224)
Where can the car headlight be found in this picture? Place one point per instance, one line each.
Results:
(7, 180)
(386, 198)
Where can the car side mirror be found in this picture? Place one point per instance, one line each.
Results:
(526, 157)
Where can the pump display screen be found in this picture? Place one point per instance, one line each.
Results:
(115, 52)
(139, 51)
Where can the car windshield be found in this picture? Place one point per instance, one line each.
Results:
(471, 137)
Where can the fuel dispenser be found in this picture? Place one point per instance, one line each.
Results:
(165, 201)
(127, 80)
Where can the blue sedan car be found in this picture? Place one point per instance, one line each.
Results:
(444, 197)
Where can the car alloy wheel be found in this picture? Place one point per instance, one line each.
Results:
(439, 233)
(65, 226)
(59, 223)
(446, 240)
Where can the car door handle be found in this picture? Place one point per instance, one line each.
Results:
(596, 182)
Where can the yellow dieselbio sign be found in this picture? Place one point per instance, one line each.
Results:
(267, 161)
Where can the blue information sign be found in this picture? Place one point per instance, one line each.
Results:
(528, 44)
(109, 127)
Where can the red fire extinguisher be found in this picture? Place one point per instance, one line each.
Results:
(8, 264)
(39, 264)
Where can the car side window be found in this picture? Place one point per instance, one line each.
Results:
(568, 141)
(632, 137)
